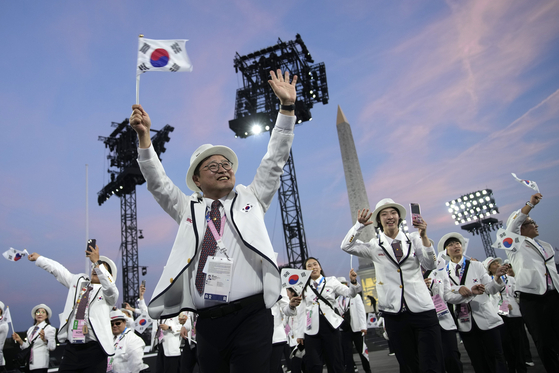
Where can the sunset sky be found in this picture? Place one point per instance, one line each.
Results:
(443, 97)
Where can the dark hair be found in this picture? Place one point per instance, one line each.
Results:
(309, 258)
(451, 240)
(46, 320)
(378, 218)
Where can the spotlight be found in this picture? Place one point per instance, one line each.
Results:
(256, 129)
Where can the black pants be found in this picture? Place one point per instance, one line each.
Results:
(275, 359)
(451, 353)
(350, 339)
(188, 358)
(511, 336)
(485, 349)
(237, 342)
(166, 364)
(416, 340)
(540, 313)
(324, 344)
(84, 358)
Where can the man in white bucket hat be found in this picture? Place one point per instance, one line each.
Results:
(85, 322)
(222, 264)
(537, 282)
(404, 300)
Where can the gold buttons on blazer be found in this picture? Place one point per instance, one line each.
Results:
(171, 280)
(188, 260)
(398, 270)
(400, 286)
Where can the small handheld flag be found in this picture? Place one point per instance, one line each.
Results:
(507, 240)
(295, 278)
(142, 323)
(160, 55)
(530, 184)
(14, 255)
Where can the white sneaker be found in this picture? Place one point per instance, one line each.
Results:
(530, 363)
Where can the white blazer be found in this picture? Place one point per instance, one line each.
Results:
(440, 284)
(171, 340)
(529, 261)
(3, 335)
(40, 348)
(172, 293)
(129, 353)
(480, 307)
(280, 311)
(396, 281)
(104, 298)
(357, 314)
(311, 306)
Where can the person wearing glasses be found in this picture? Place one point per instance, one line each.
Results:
(42, 336)
(403, 299)
(129, 348)
(85, 319)
(537, 282)
(222, 264)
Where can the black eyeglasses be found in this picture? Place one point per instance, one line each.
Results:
(214, 166)
(117, 323)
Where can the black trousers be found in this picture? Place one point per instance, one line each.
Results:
(350, 339)
(416, 340)
(166, 364)
(485, 349)
(540, 313)
(84, 358)
(188, 358)
(451, 353)
(324, 344)
(237, 342)
(275, 359)
(511, 336)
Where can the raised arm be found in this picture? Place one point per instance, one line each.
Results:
(267, 179)
(56, 269)
(352, 245)
(516, 223)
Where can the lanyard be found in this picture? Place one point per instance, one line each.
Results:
(462, 267)
(120, 338)
(217, 236)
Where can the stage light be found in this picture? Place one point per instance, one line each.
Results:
(478, 194)
(491, 205)
(484, 191)
(469, 204)
(471, 196)
(487, 198)
(299, 121)
(456, 223)
(459, 199)
(448, 203)
(267, 128)
(450, 210)
(465, 198)
(256, 129)
(462, 206)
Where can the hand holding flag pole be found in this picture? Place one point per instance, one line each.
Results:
(530, 184)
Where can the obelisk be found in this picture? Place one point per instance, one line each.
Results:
(357, 195)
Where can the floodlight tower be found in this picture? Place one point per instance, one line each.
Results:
(256, 108)
(475, 209)
(123, 147)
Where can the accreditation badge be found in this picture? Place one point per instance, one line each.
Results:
(219, 271)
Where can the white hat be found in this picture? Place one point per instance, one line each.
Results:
(511, 217)
(111, 264)
(117, 315)
(442, 241)
(43, 306)
(342, 280)
(487, 262)
(384, 204)
(203, 152)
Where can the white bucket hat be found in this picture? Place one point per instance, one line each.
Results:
(489, 260)
(203, 152)
(456, 235)
(111, 264)
(117, 315)
(342, 280)
(384, 204)
(43, 306)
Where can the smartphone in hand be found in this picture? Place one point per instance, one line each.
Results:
(415, 214)
(91, 242)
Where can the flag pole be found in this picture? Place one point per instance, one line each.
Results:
(87, 262)
(138, 82)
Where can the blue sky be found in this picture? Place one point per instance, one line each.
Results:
(443, 97)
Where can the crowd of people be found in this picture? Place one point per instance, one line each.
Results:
(219, 303)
